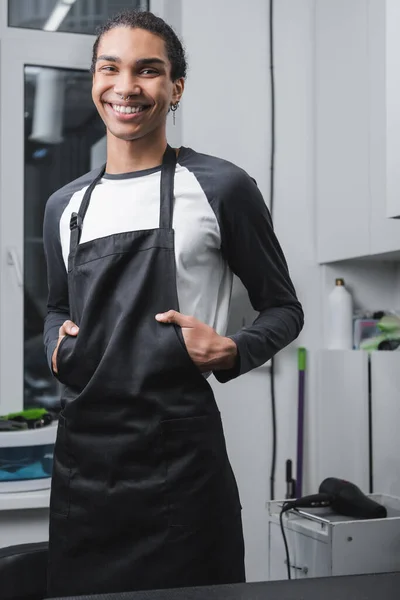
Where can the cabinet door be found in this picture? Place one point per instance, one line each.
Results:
(308, 556)
(385, 378)
(312, 557)
(343, 416)
(392, 25)
(277, 557)
(341, 107)
(384, 128)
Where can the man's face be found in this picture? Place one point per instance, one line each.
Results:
(133, 62)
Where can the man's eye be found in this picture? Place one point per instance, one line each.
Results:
(149, 72)
(108, 68)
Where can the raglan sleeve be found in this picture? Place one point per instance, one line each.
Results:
(253, 252)
(57, 278)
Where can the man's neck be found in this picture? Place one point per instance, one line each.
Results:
(136, 155)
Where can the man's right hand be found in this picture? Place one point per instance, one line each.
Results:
(67, 328)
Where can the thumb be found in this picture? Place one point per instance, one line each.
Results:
(172, 316)
(70, 328)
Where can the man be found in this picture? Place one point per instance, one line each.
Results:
(140, 256)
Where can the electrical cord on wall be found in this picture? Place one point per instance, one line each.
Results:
(274, 428)
(271, 208)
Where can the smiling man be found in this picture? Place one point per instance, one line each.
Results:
(141, 255)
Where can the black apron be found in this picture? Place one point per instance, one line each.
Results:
(143, 495)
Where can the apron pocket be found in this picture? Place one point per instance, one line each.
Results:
(182, 344)
(64, 352)
(72, 370)
(201, 486)
(60, 482)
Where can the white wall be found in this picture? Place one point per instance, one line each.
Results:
(295, 209)
(226, 112)
(226, 108)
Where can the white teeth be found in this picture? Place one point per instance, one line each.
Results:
(127, 109)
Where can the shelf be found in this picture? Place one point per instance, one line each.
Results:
(29, 437)
(24, 500)
(392, 256)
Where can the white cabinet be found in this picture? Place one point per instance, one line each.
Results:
(323, 543)
(392, 25)
(355, 114)
(341, 115)
(384, 127)
(308, 557)
(385, 380)
(343, 416)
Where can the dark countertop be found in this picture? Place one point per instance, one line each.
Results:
(355, 587)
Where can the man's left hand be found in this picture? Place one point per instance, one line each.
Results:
(208, 350)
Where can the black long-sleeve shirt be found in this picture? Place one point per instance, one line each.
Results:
(222, 226)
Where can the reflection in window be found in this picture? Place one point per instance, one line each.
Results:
(75, 16)
(64, 138)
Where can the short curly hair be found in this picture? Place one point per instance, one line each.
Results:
(150, 22)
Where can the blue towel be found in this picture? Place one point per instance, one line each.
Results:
(33, 471)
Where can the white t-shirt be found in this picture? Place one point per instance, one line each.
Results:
(222, 226)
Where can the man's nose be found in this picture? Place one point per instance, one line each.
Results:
(127, 86)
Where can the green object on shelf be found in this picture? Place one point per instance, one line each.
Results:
(389, 324)
(389, 339)
(29, 414)
(32, 418)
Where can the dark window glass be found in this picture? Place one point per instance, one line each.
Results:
(64, 138)
(74, 16)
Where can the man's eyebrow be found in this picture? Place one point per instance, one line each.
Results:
(150, 61)
(140, 61)
(108, 58)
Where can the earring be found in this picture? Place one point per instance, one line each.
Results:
(174, 108)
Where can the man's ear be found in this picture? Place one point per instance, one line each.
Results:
(179, 86)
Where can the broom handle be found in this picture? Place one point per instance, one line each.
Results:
(300, 422)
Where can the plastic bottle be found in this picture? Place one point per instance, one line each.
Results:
(340, 310)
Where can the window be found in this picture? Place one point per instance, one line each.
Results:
(74, 16)
(64, 138)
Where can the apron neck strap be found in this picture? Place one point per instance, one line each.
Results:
(166, 200)
(86, 198)
(167, 188)
(76, 221)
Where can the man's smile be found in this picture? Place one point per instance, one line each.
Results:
(126, 112)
